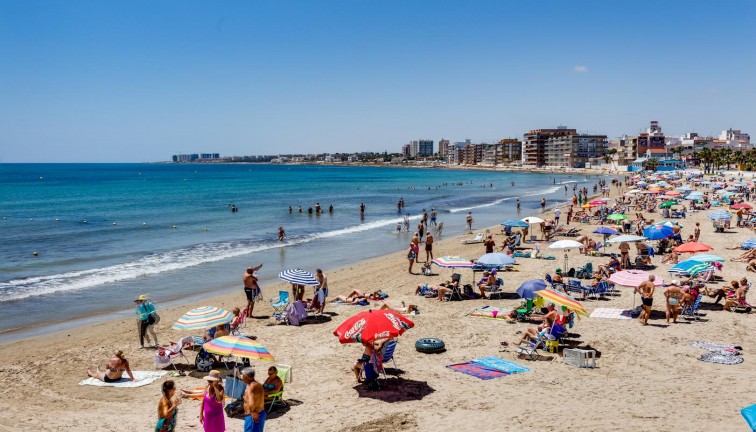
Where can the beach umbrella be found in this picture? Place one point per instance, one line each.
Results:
(633, 191)
(597, 203)
(694, 196)
(633, 278)
(527, 289)
(202, 318)
(566, 245)
(706, 258)
(496, 259)
(586, 206)
(627, 238)
(731, 189)
(668, 204)
(741, 206)
(720, 215)
(690, 268)
(563, 300)
(532, 220)
(298, 277)
(238, 346)
(684, 188)
(717, 186)
(453, 262)
(605, 231)
(616, 217)
(368, 326)
(657, 232)
(749, 244)
(515, 223)
(691, 247)
(673, 193)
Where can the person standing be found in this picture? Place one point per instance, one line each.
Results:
(569, 215)
(420, 230)
(254, 402)
(489, 244)
(251, 288)
(428, 247)
(362, 209)
(697, 231)
(167, 408)
(557, 213)
(425, 218)
(321, 291)
(624, 248)
(646, 291)
(543, 204)
(211, 414)
(412, 255)
(147, 317)
(518, 205)
(433, 217)
(469, 220)
(281, 233)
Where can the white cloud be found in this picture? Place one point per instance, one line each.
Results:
(580, 69)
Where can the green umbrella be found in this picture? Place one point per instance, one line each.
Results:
(668, 204)
(616, 217)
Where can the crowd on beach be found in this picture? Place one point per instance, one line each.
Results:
(648, 212)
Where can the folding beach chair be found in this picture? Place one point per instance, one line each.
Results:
(497, 289)
(531, 350)
(456, 292)
(284, 372)
(556, 286)
(279, 305)
(691, 312)
(524, 312)
(164, 357)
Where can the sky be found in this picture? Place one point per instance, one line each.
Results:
(139, 81)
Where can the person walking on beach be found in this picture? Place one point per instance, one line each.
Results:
(321, 291)
(428, 247)
(211, 416)
(425, 218)
(412, 254)
(557, 213)
(433, 217)
(167, 408)
(147, 317)
(469, 220)
(254, 402)
(543, 204)
(251, 288)
(646, 291)
(281, 233)
(697, 232)
(569, 215)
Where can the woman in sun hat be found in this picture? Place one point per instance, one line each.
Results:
(147, 317)
(211, 415)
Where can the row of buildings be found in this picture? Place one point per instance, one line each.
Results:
(565, 147)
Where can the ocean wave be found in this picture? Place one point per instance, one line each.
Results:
(161, 262)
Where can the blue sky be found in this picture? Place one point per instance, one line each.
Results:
(101, 81)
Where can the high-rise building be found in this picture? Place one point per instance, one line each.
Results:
(406, 150)
(425, 147)
(414, 148)
(443, 148)
(574, 150)
(534, 144)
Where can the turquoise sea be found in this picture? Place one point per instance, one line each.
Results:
(104, 233)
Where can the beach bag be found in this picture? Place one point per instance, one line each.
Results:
(155, 318)
(204, 361)
(635, 313)
(411, 255)
(571, 272)
(468, 291)
(427, 271)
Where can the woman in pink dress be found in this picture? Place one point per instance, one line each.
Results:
(212, 416)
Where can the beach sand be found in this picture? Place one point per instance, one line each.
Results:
(646, 379)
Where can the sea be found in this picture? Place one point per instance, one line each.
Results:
(81, 241)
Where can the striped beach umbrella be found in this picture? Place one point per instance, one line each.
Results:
(633, 278)
(453, 262)
(706, 258)
(202, 318)
(238, 347)
(298, 277)
(690, 268)
(563, 300)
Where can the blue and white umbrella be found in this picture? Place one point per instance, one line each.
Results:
(691, 268)
(696, 195)
(749, 244)
(298, 277)
(684, 188)
(720, 215)
(706, 258)
(495, 259)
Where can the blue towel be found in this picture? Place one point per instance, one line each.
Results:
(502, 365)
(749, 414)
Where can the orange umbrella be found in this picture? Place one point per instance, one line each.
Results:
(672, 193)
(692, 247)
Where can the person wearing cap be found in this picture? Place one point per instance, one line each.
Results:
(147, 317)
(251, 288)
(558, 276)
(254, 402)
(211, 414)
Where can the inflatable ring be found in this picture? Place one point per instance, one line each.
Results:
(430, 345)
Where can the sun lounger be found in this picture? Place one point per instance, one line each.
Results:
(477, 239)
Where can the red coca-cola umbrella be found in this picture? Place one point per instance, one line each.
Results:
(368, 326)
(692, 247)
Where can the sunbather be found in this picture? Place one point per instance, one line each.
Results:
(607, 269)
(353, 297)
(404, 308)
(745, 256)
(272, 384)
(114, 369)
(736, 299)
(721, 293)
(532, 334)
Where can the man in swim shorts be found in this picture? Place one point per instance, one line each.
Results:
(251, 288)
(646, 291)
(254, 402)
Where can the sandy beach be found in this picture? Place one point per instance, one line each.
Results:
(647, 378)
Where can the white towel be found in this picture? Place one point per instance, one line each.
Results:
(143, 378)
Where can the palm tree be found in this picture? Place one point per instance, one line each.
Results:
(707, 157)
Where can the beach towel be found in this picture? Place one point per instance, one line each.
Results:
(711, 346)
(143, 378)
(491, 312)
(477, 370)
(725, 359)
(502, 365)
(611, 313)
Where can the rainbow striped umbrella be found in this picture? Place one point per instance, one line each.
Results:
(563, 300)
(453, 262)
(202, 318)
(238, 347)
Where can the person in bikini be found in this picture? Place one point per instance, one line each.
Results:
(674, 296)
(273, 384)
(114, 369)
